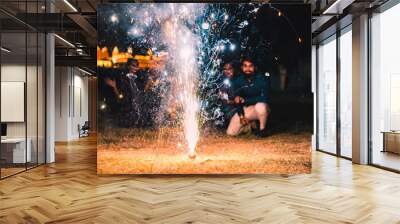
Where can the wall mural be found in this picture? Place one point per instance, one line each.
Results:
(203, 88)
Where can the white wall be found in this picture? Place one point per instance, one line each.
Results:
(16, 73)
(80, 111)
(71, 102)
(12, 73)
(62, 82)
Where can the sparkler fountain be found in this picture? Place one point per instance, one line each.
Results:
(182, 44)
(187, 69)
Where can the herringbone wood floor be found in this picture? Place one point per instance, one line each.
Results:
(69, 191)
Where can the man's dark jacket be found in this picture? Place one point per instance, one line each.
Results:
(253, 89)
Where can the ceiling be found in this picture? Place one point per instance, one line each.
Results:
(76, 20)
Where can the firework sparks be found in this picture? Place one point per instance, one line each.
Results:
(182, 44)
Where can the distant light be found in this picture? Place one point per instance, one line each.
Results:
(227, 82)
(114, 18)
(300, 40)
(232, 47)
(64, 40)
(205, 26)
(70, 5)
(134, 31)
(120, 96)
(267, 74)
(5, 50)
(103, 106)
(226, 17)
(279, 13)
(243, 24)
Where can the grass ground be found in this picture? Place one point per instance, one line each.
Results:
(163, 152)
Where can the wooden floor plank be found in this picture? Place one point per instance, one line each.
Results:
(70, 191)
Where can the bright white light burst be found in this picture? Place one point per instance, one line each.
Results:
(114, 18)
(232, 47)
(205, 26)
(182, 44)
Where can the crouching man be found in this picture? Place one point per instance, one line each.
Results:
(251, 91)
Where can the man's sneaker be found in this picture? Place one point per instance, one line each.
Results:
(262, 133)
(255, 126)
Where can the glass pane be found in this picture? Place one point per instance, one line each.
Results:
(32, 97)
(327, 96)
(346, 94)
(13, 86)
(385, 84)
(41, 98)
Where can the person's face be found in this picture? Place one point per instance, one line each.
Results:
(133, 67)
(248, 68)
(228, 70)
